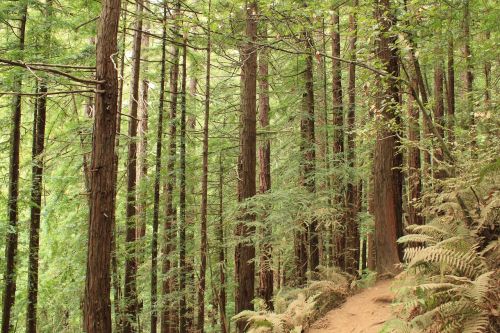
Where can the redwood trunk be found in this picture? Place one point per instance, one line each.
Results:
(245, 249)
(265, 263)
(414, 171)
(451, 92)
(168, 315)
(338, 138)
(438, 171)
(158, 163)
(97, 308)
(130, 288)
(387, 157)
(352, 192)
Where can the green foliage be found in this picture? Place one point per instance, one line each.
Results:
(452, 269)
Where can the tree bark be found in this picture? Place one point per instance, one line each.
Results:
(222, 257)
(130, 287)
(158, 164)
(265, 262)
(338, 137)
(245, 249)
(11, 241)
(183, 311)
(414, 179)
(204, 185)
(97, 309)
(438, 171)
(451, 91)
(352, 235)
(469, 78)
(168, 315)
(387, 157)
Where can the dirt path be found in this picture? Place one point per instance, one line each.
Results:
(365, 312)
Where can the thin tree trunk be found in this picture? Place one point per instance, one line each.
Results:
(11, 241)
(130, 287)
(36, 202)
(451, 91)
(387, 158)
(204, 186)
(97, 309)
(245, 249)
(438, 171)
(265, 263)
(36, 191)
(222, 258)
(469, 77)
(338, 135)
(116, 280)
(183, 313)
(352, 236)
(169, 315)
(158, 160)
(414, 166)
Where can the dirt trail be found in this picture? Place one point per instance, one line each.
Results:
(364, 312)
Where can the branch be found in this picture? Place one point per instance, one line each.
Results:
(49, 70)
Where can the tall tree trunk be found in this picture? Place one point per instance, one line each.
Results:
(451, 91)
(438, 171)
(414, 172)
(352, 235)
(36, 190)
(36, 203)
(116, 280)
(338, 135)
(204, 185)
(142, 161)
(11, 241)
(222, 258)
(265, 263)
(245, 249)
(387, 158)
(183, 313)
(158, 163)
(97, 309)
(130, 287)
(168, 315)
(469, 77)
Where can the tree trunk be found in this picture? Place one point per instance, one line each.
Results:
(338, 137)
(451, 92)
(438, 171)
(11, 241)
(158, 163)
(352, 235)
(204, 185)
(469, 78)
(168, 315)
(97, 309)
(183, 312)
(414, 172)
(245, 249)
(387, 158)
(222, 258)
(130, 287)
(265, 263)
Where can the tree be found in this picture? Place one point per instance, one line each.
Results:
(387, 159)
(97, 307)
(244, 252)
(338, 133)
(130, 289)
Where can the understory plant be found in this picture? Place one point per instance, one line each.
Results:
(451, 282)
(297, 308)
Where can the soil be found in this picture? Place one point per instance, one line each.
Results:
(365, 312)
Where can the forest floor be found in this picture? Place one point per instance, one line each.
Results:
(364, 312)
